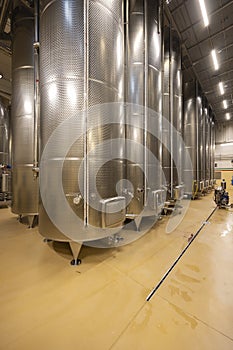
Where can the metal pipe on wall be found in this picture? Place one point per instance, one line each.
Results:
(24, 185)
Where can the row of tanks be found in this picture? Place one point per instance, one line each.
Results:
(116, 134)
(199, 138)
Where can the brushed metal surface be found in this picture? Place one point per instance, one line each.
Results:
(191, 131)
(177, 114)
(4, 134)
(24, 185)
(172, 110)
(207, 145)
(212, 142)
(82, 54)
(154, 100)
(199, 112)
(202, 139)
(25, 195)
(197, 134)
(135, 87)
(143, 87)
(5, 178)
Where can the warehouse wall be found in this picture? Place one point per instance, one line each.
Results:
(224, 154)
(224, 132)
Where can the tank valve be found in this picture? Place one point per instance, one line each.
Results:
(140, 190)
(35, 171)
(77, 199)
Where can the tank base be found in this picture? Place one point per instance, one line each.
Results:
(28, 219)
(32, 220)
(75, 262)
(137, 221)
(75, 248)
(47, 240)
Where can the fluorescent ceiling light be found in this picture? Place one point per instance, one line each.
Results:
(226, 144)
(225, 104)
(1, 76)
(221, 88)
(228, 117)
(204, 13)
(215, 61)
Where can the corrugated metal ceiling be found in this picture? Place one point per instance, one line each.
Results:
(199, 41)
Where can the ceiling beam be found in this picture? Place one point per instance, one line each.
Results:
(4, 14)
(219, 75)
(215, 12)
(222, 63)
(219, 97)
(177, 7)
(226, 88)
(210, 37)
(5, 94)
(219, 51)
(5, 48)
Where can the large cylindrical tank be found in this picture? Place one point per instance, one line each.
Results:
(212, 142)
(172, 111)
(200, 141)
(4, 134)
(82, 65)
(4, 152)
(207, 145)
(191, 133)
(202, 138)
(143, 88)
(24, 184)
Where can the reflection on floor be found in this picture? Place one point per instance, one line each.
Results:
(101, 304)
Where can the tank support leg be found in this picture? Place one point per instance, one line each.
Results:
(137, 221)
(31, 220)
(47, 240)
(75, 248)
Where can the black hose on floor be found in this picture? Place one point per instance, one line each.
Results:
(179, 257)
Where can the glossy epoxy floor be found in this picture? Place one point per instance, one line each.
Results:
(47, 304)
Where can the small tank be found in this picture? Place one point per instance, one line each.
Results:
(25, 194)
